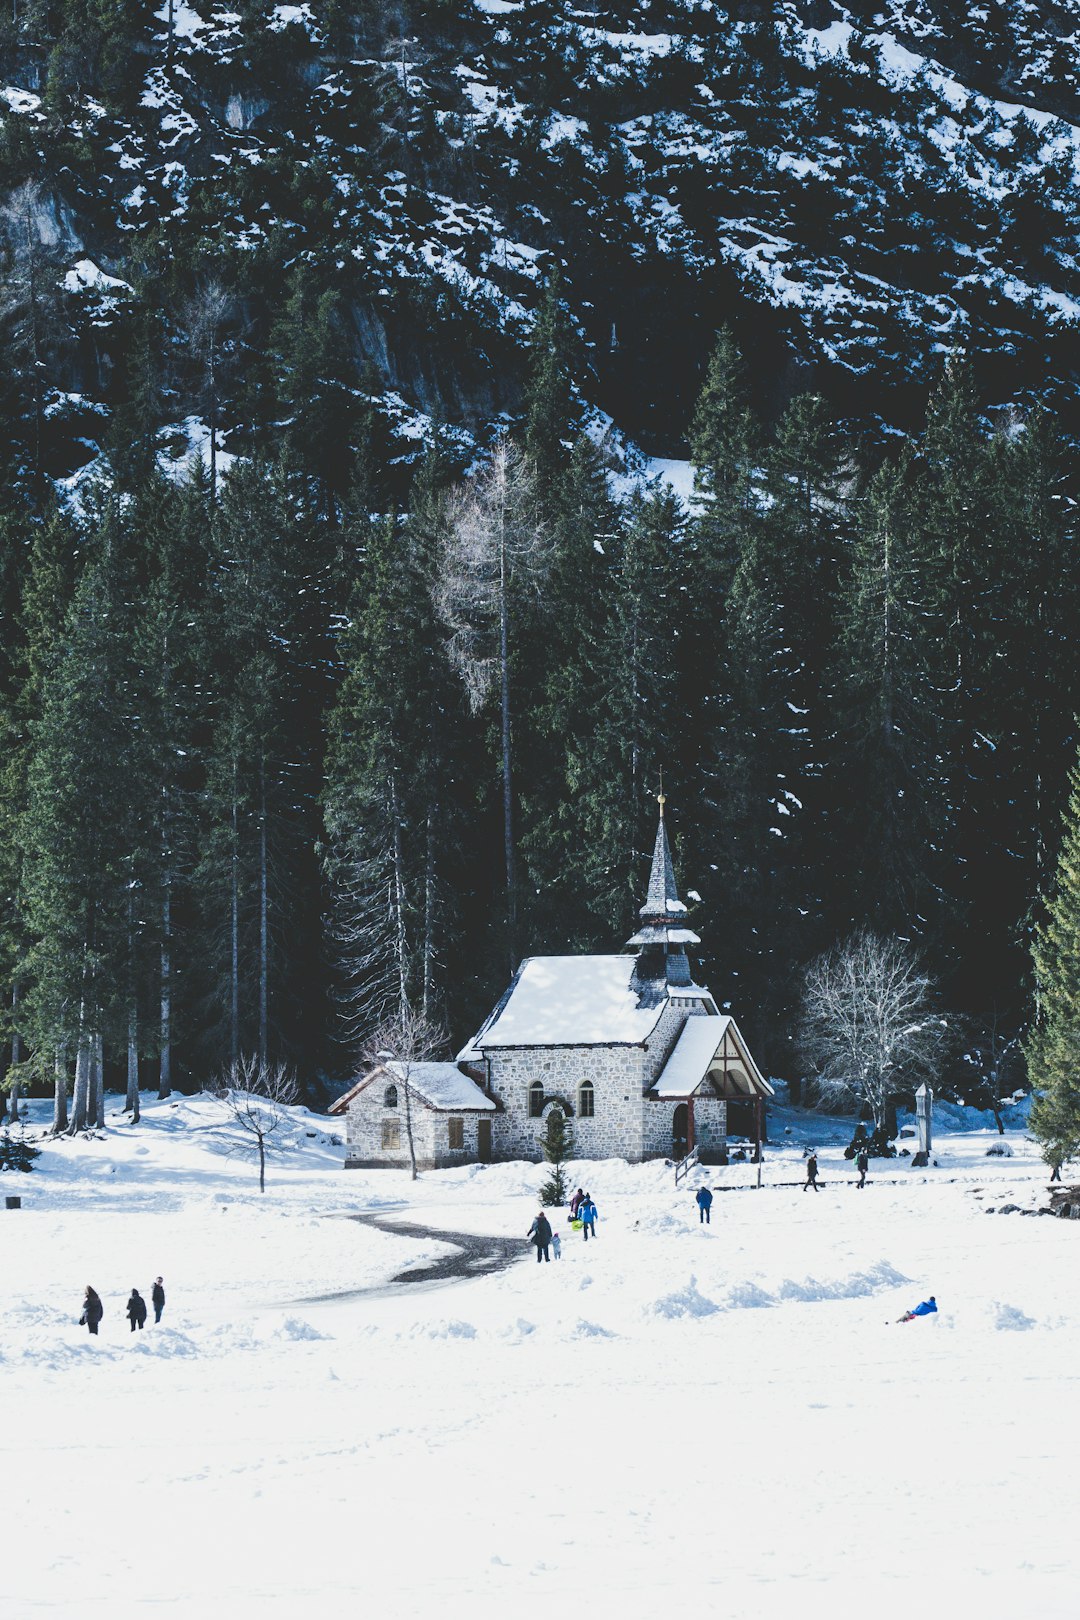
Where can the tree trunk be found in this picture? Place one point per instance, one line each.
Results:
(508, 814)
(399, 901)
(234, 931)
(81, 1095)
(131, 1102)
(263, 968)
(429, 913)
(888, 1119)
(165, 1074)
(16, 1054)
(60, 1109)
(262, 1165)
(97, 1085)
(408, 1124)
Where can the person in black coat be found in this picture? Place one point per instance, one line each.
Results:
(811, 1172)
(157, 1298)
(93, 1310)
(862, 1165)
(136, 1310)
(540, 1232)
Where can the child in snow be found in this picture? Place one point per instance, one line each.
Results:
(927, 1308)
(556, 1245)
(587, 1217)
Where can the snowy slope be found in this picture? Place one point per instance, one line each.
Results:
(859, 189)
(672, 1416)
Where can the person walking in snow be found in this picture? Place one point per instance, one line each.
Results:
(575, 1204)
(157, 1298)
(704, 1204)
(928, 1307)
(136, 1310)
(540, 1233)
(811, 1172)
(93, 1310)
(862, 1165)
(587, 1216)
(556, 1245)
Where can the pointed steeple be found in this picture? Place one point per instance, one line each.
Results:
(662, 937)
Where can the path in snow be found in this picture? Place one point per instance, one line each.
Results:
(473, 1256)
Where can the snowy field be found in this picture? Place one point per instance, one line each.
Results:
(725, 1418)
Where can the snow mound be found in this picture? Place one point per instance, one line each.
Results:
(589, 1330)
(660, 1224)
(164, 1342)
(688, 1301)
(855, 1286)
(1010, 1318)
(454, 1329)
(518, 1331)
(748, 1296)
(294, 1327)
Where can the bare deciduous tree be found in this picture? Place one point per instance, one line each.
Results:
(495, 554)
(867, 1028)
(398, 1045)
(256, 1096)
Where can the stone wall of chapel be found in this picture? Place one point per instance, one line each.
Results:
(659, 1046)
(710, 1127)
(616, 1073)
(431, 1134)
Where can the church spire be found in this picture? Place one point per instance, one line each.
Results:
(662, 937)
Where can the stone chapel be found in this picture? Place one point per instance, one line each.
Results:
(634, 1052)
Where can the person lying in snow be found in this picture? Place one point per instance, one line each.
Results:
(927, 1308)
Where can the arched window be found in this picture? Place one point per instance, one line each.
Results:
(390, 1097)
(536, 1099)
(586, 1100)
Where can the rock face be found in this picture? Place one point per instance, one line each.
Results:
(856, 189)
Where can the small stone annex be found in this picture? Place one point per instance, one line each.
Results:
(635, 1054)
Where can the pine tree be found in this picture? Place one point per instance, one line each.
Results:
(374, 764)
(1053, 1047)
(78, 827)
(557, 1146)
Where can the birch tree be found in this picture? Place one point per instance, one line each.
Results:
(495, 557)
(868, 1029)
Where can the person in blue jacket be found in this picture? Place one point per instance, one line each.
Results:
(704, 1204)
(927, 1308)
(587, 1216)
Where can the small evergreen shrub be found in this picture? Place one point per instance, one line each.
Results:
(16, 1153)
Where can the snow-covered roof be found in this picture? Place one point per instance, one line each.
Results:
(440, 1085)
(568, 1001)
(699, 1042)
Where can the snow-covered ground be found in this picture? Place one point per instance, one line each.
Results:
(727, 1418)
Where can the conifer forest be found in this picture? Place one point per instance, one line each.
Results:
(426, 426)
